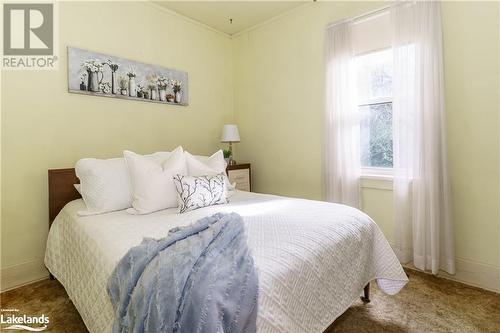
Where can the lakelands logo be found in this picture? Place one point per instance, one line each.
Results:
(30, 35)
(10, 319)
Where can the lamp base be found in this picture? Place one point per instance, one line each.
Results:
(231, 161)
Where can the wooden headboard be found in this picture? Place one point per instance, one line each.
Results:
(61, 190)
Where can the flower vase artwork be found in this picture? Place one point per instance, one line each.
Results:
(114, 83)
(178, 97)
(132, 88)
(95, 81)
(163, 94)
(140, 91)
(105, 87)
(98, 74)
(152, 80)
(177, 87)
(123, 83)
(93, 84)
(83, 86)
(162, 83)
(93, 68)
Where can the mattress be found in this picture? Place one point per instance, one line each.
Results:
(313, 258)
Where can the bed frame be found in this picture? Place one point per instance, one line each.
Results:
(62, 191)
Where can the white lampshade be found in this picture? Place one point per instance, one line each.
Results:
(230, 134)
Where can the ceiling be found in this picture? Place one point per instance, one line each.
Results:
(217, 14)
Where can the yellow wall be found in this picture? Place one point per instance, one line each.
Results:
(43, 126)
(279, 76)
(274, 73)
(472, 57)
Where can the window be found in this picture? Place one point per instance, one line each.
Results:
(374, 99)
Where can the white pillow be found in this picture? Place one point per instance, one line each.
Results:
(152, 183)
(104, 185)
(161, 156)
(203, 165)
(195, 192)
(209, 165)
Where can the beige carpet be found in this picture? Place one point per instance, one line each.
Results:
(426, 304)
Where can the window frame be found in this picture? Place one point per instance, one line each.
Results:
(380, 173)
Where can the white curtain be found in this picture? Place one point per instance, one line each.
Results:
(342, 158)
(424, 229)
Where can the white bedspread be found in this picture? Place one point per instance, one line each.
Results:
(313, 258)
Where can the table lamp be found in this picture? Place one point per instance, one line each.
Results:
(230, 134)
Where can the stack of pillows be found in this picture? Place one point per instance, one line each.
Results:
(144, 184)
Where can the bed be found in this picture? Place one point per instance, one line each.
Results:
(313, 258)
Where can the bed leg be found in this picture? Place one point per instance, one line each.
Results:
(366, 294)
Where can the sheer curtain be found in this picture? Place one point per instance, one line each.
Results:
(424, 230)
(342, 158)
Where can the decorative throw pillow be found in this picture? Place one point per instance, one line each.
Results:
(195, 192)
(152, 183)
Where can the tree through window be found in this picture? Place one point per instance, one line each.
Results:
(374, 94)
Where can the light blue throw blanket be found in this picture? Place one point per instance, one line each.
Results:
(200, 278)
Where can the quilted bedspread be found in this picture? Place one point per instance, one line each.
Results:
(313, 258)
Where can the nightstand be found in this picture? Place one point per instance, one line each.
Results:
(240, 174)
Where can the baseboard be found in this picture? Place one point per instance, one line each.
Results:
(473, 273)
(19, 275)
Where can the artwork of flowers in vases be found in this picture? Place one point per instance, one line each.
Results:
(98, 74)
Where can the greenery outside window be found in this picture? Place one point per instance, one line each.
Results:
(374, 100)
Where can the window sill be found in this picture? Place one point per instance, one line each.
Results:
(378, 182)
(388, 178)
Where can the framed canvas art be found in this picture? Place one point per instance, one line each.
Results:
(97, 74)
